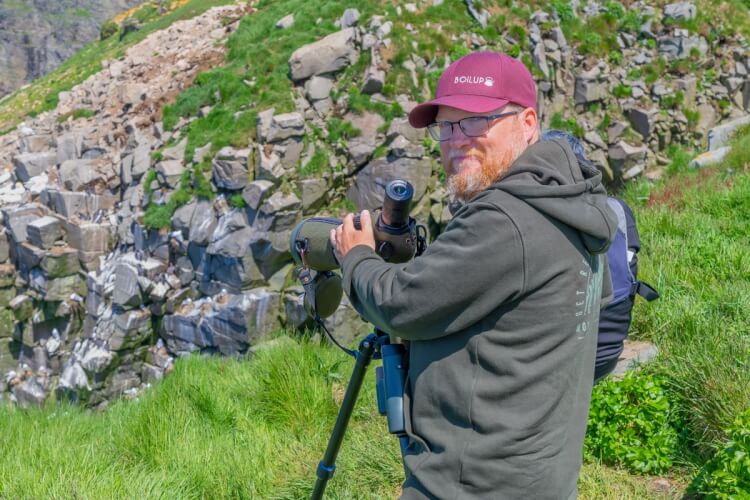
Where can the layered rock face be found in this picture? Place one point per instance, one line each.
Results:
(94, 302)
(60, 29)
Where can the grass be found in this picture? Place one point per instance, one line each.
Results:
(696, 252)
(225, 428)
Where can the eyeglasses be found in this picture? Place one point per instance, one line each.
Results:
(472, 126)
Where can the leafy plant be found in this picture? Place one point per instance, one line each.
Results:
(629, 424)
(570, 124)
(339, 129)
(563, 9)
(237, 201)
(621, 91)
(727, 475)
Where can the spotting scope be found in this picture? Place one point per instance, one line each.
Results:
(397, 239)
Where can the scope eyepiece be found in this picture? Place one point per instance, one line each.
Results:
(396, 203)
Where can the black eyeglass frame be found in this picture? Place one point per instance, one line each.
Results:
(487, 119)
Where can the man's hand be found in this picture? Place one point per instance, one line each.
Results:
(346, 236)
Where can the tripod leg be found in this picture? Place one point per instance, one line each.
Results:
(327, 466)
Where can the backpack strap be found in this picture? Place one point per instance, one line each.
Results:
(626, 225)
(645, 290)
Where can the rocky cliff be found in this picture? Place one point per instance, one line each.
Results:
(36, 36)
(128, 237)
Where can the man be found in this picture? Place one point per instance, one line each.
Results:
(502, 308)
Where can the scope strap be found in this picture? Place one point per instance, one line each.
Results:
(308, 284)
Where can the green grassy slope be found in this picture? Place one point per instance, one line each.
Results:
(222, 428)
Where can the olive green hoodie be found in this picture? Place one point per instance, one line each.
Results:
(502, 312)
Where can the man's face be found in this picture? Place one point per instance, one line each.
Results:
(472, 164)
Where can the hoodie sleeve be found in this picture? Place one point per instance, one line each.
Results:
(473, 267)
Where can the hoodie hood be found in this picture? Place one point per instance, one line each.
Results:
(548, 177)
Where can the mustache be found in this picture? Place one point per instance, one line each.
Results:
(452, 155)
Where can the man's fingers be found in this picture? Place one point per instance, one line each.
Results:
(365, 221)
(332, 237)
(349, 222)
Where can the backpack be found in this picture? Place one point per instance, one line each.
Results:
(615, 318)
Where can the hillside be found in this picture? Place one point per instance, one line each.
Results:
(149, 185)
(60, 29)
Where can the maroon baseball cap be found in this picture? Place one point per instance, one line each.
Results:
(478, 83)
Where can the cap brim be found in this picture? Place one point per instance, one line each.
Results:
(424, 114)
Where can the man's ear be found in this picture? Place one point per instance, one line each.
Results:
(530, 125)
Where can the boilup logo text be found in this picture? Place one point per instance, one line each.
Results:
(487, 80)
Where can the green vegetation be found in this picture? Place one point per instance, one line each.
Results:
(697, 254)
(225, 428)
(76, 114)
(317, 164)
(727, 475)
(237, 201)
(680, 159)
(621, 91)
(339, 129)
(630, 424)
(569, 124)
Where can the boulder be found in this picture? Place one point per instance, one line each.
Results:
(318, 87)
(22, 307)
(268, 165)
(256, 192)
(77, 175)
(369, 187)
(60, 262)
(314, 193)
(29, 393)
(28, 256)
(401, 127)
(176, 152)
(285, 22)
(241, 321)
(232, 235)
(17, 219)
(9, 353)
(278, 213)
(719, 136)
(44, 232)
(131, 329)
(70, 203)
(36, 143)
(349, 18)
(373, 81)
(271, 250)
(234, 273)
(643, 121)
(56, 289)
(4, 246)
(203, 223)
(169, 172)
(69, 146)
(88, 236)
(141, 161)
(623, 156)
(229, 168)
(589, 89)
(275, 128)
(28, 165)
(680, 11)
(333, 53)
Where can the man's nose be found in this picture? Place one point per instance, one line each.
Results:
(458, 138)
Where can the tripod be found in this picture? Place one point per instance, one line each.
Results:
(390, 384)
